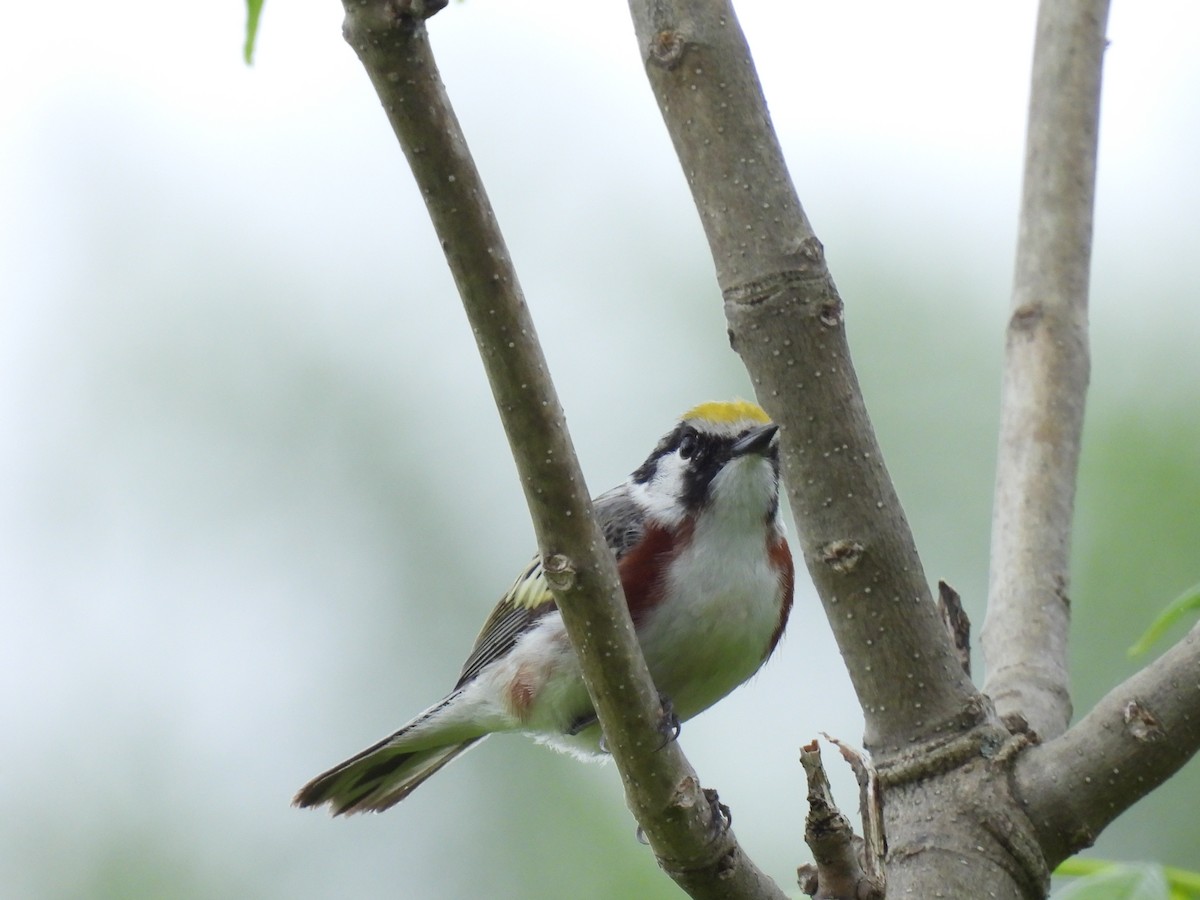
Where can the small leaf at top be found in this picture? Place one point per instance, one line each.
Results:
(1186, 602)
(253, 10)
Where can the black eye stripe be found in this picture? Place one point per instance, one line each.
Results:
(645, 473)
(703, 454)
(669, 444)
(689, 444)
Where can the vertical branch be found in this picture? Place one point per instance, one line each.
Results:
(786, 321)
(1045, 373)
(682, 822)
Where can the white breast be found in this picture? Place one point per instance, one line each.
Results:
(714, 631)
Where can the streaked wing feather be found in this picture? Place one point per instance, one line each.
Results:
(508, 621)
(529, 598)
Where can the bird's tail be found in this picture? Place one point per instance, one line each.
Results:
(378, 777)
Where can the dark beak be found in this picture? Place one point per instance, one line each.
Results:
(757, 440)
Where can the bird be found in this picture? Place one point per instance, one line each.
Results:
(699, 540)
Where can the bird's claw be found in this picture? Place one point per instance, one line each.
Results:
(722, 816)
(720, 819)
(583, 722)
(669, 725)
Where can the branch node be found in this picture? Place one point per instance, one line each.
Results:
(831, 313)
(789, 285)
(417, 9)
(668, 48)
(1141, 723)
(1025, 318)
(842, 555)
(1014, 745)
(1019, 726)
(806, 877)
(812, 250)
(930, 760)
(560, 572)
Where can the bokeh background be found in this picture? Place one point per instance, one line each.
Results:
(255, 499)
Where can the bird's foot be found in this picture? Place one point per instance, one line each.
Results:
(669, 725)
(720, 822)
(582, 723)
(722, 816)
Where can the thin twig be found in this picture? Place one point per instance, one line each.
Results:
(685, 831)
(870, 811)
(1045, 374)
(836, 871)
(844, 866)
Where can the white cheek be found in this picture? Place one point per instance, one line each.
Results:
(659, 497)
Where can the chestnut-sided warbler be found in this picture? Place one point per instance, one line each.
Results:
(700, 547)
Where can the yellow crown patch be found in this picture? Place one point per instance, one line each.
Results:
(726, 412)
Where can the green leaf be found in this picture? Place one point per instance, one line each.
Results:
(253, 11)
(1076, 866)
(1141, 881)
(1186, 602)
(1184, 883)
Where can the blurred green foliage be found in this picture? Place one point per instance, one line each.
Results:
(253, 13)
(1103, 880)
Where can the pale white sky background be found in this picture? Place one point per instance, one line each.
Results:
(224, 321)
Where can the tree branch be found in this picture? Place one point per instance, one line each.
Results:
(845, 866)
(1135, 738)
(689, 838)
(785, 320)
(1024, 636)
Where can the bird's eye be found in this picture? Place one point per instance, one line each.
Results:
(688, 445)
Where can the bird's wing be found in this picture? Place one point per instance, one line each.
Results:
(529, 598)
(518, 610)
